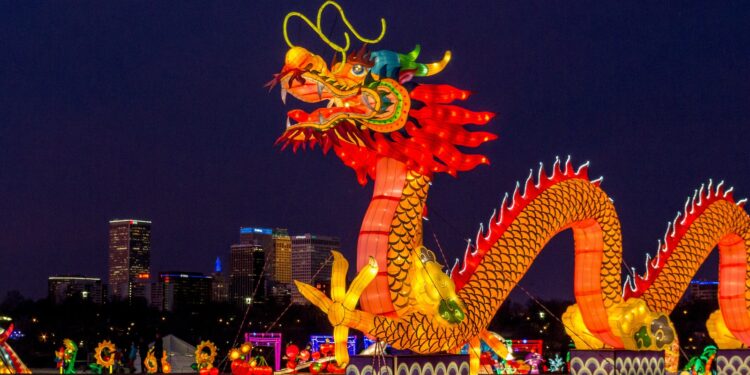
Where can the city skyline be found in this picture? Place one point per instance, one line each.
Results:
(155, 274)
(162, 115)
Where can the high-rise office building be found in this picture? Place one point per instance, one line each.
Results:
(310, 254)
(245, 275)
(219, 284)
(129, 258)
(61, 288)
(279, 268)
(183, 290)
(281, 257)
(253, 235)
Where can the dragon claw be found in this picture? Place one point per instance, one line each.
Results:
(341, 307)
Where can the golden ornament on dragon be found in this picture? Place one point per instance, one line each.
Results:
(386, 126)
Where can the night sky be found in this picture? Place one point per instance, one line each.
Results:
(156, 110)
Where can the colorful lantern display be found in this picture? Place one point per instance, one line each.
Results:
(401, 133)
(243, 363)
(151, 363)
(10, 363)
(104, 354)
(205, 355)
(701, 365)
(65, 357)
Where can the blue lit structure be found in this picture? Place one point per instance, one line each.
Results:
(368, 341)
(248, 230)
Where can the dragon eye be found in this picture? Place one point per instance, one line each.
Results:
(358, 70)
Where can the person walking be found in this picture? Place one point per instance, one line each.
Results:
(158, 351)
(132, 352)
(143, 352)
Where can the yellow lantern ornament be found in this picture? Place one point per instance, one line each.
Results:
(205, 355)
(151, 364)
(104, 353)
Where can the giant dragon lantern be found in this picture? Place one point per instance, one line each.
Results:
(385, 125)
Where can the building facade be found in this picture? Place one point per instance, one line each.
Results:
(84, 288)
(702, 290)
(246, 262)
(183, 290)
(280, 259)
(311, 263)
(129, 258)
(219, 284)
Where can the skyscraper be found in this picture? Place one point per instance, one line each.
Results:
(219, 284)
(280, 257)
(279, 269)
(246, 262)
(260, 236)
(129, 257)
(310, 255)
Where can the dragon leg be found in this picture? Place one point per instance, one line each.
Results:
(475, 351)
(341, 307)
(497, 345)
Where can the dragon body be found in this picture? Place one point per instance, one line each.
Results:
(400, 134)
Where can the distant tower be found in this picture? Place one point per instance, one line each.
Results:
(129, 257)
(219, 284)
(246, 263)
(281, 257)
(310, 253)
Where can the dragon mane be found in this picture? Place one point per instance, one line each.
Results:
(427, 144)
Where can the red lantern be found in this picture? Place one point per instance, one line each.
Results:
(304, 355)
(315, 368)
(334, 368)
(327, 349)
(237, 366)
(246, 369)
(203, 371)
(213, 371)
(292, 351)
(315, 356)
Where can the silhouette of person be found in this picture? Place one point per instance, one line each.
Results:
(143, 352)
(158, 351)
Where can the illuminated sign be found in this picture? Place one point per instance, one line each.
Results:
(142, 276)
(251, 230)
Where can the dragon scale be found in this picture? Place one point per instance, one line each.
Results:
(399, 197)
(573, 202)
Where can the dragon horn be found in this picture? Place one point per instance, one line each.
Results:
(438, 66)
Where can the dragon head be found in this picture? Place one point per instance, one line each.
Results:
(368, 107)
(352, 94)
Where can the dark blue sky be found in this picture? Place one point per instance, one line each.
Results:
(157, 110)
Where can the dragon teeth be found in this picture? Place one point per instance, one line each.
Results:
(320, 118)
(288, 123)
(283, 96)
(320, 91)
